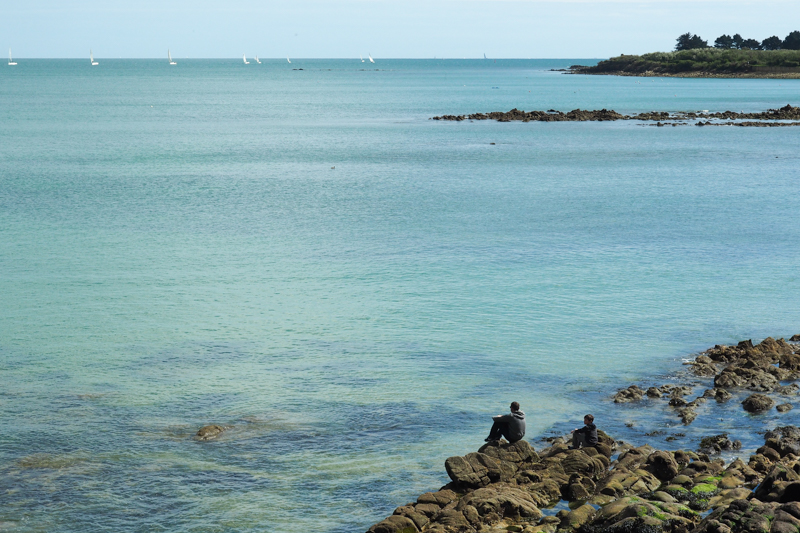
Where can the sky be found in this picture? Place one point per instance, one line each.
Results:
(383, 28)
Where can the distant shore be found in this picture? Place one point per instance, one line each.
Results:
(619, 487)
(701, 63)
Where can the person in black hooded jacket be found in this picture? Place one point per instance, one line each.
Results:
(510, 426)
(585, 436)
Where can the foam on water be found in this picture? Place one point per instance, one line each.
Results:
(175, 250)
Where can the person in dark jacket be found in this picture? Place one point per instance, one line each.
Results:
(585, 436)
(510, 426)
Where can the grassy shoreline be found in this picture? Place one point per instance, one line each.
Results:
(702, 63)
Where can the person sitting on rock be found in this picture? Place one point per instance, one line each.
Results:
(510, 426)
(585, 436)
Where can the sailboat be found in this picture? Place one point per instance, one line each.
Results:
(484, 56)
(289, 60)
(169, 55)
(91, 58)
(244, 58)
(257, 61)
(10, 61)
(370, 58)
(362, 58)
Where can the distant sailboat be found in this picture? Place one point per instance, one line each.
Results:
(91, 58)
(370, 58)
(484, 56)
(244, 58)
(257, 61)
(289, 60)
(362, 58)
(169, 55)
(10, 61)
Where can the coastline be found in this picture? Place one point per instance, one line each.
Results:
(701, 63)
(702, 74)
(619, 486)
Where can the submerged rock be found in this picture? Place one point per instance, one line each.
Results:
(209, 432)
(757, 403)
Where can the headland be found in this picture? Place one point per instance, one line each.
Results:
(701, 63)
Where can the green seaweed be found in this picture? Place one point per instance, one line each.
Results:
(704, 488)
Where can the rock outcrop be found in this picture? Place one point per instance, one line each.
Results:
(506, 487)
(771, 117)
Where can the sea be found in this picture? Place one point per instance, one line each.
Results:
(296, 252)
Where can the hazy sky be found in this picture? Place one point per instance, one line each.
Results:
(384, 28)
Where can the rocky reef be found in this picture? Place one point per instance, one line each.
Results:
(619, 487)
(785, 116)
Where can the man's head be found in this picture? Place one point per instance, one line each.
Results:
(514, 407)
(588, 419)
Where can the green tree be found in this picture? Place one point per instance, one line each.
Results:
(688, 41)
(725, 41)
(750, 44)
(792, 41)
(737, 41)
(772, 43)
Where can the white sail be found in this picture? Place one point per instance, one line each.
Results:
(91, 58)
(10, 61)
(362, 58)
(244, 58)
(289, 60)
(370, 58)
(257, 61)
(169, 55)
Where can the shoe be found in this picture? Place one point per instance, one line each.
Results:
(488, 439)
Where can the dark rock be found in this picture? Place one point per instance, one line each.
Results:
(440, 498)
(662, 465)
(687, 415)
(784, 407)
(631, 394)
(795, 338)
(577, 518)
(718, 444)
(518, 452)
(450, 518)
(722, 395)
(785, 440)
(395, 524)
(653, 392)
(473, 470)
(757, 403)
(209, 432)
(781, 484)
(500, 500)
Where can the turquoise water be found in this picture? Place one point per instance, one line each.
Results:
(177, 250)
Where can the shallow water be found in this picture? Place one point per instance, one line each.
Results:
(176, 250)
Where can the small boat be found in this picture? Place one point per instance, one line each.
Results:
(289, 60)
(257, 61)
(362, 58)
(10, 61)
(169, 55)
(244, 58)
(370, 58)
(91, 58)
(484, 56)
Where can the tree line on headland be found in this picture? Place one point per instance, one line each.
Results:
(690, 41)
(730, 57)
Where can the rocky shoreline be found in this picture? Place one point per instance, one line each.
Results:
(767, 118)
(618, 487)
